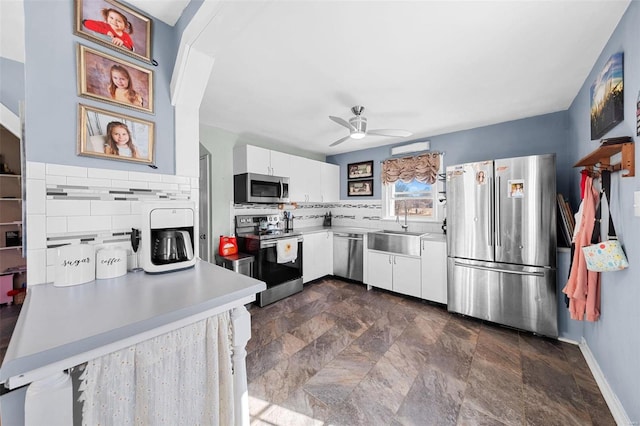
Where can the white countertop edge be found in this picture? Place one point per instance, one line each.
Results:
(50, 368)
(21, 357)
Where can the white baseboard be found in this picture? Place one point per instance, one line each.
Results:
(565, 340)
(617, 410)
(10, 121)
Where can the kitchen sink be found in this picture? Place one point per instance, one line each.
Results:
(400, 242)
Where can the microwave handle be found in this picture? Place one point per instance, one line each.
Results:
(281, 189)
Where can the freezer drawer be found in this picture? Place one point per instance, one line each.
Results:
(523, 297)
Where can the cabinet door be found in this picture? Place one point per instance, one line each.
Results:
(330, 179)
(406, 275)
(434, 271)
(251, 159)
(380, 270)
(305, 180)
(310, 253)
(281, 164)
(325, 255)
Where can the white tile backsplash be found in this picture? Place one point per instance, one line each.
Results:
(68, 208)
(90, 206)
(88, 181)
(56, 224)
(36, 234)
(101, 208)
(37, 190)
(36, 170)
(88, 223)
(62, 170)
(108, 174)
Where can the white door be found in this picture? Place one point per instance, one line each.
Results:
(204, 206)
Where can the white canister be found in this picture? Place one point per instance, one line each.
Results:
(75, 265)
(111, 263)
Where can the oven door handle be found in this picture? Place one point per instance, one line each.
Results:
(273, 243)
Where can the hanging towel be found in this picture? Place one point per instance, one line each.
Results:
(287, 250)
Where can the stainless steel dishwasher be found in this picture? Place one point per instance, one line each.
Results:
(347, 255)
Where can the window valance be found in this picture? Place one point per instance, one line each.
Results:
(423, 168)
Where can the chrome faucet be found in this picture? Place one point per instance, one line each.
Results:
(406, 225)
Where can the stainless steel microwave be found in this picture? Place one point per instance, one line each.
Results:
(256, 188)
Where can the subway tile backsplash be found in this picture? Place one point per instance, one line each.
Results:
(70, 204)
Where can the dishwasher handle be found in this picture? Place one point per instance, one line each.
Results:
(348, 236)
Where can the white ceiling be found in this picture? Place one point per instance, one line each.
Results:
(430, 67)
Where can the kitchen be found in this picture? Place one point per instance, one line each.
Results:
(547, 133)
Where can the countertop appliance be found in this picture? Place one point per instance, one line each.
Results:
(501, 242)
(166, 236)
(261, 236)
(257, 188)
(347, 255)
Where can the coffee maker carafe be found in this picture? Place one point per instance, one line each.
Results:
(167, 236)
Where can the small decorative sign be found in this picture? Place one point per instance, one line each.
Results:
(358, 188)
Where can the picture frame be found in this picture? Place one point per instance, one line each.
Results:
(607, 97)
(360, 170)
(94, 124)
(108, 79)
(134, 37)
(360, 188)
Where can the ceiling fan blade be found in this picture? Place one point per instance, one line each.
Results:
(339, 141)
(342, 122)
(389, 132)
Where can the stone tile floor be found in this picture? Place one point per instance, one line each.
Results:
(337, 354)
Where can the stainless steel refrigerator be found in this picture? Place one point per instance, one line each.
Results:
(501, 242)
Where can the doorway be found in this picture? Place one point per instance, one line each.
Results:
(205, 209)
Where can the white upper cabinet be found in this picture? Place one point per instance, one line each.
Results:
(309, 180)
(253, 159)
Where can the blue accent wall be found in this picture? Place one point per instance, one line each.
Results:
(11, 84)
(542, 134)
(614, 340)
(51, 96)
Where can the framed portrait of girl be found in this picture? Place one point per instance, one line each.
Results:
(114, 25)
(108, 79)
(113, 136)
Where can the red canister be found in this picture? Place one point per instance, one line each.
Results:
(228, 245)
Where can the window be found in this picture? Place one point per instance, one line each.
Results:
(420, 200)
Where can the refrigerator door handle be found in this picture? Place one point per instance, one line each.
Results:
(497, 215)
(505, 271)
(490, 223)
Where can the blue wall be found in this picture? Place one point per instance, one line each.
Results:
(614, 340)
(11, 84)
(536, 135)
(51, 97)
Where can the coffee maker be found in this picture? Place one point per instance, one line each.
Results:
(166, 237)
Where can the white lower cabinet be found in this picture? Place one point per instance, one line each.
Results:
(434, 271)
(317, 255)
(394, 272)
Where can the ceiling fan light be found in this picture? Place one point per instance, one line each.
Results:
(357, 135)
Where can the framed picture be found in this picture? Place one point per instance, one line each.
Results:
(108, 79)
(109, 135)
(114, 25)
(607, 100)
(360, 170)
(357, 188)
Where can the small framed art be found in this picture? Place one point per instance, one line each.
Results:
(359, 188)
(113, 136)
(360, 170)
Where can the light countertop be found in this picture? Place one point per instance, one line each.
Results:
(56, 323)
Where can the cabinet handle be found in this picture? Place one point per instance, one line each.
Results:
(394, 260)
(389, 260)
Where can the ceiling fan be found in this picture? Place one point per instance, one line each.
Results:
(357, 126)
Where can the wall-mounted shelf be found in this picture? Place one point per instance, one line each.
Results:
(601, 158)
